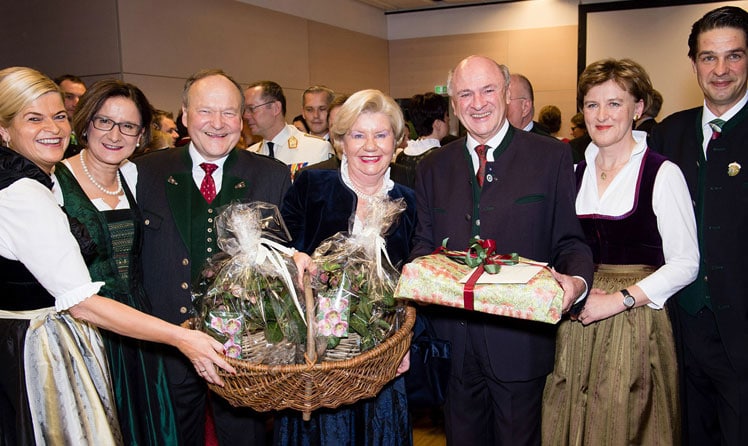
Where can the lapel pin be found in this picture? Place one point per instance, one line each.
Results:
(293, 142)
(733, 169)
(171, 180)
(240, 185)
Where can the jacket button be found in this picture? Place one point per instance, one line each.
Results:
(183, 310)
(184, 285)
(185, 261)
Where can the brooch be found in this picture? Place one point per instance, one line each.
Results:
(171, 180)
(240, 185)
(733, 169)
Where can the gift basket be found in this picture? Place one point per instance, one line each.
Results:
(290, 349)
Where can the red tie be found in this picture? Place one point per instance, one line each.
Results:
(208, 187)
(481, 174)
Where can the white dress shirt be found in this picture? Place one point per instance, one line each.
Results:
(35, 231)
(671, 203)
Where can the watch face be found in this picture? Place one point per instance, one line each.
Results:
(629, 301)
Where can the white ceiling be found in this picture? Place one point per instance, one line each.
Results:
(409, 5)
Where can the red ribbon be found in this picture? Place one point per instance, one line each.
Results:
(479, 254)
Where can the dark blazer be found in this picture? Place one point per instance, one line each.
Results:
(164, 188)
(723, 239)
(527, 208)
(647, 126)
(539, 129)
(318, 205)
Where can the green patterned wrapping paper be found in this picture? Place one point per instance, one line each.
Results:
(435, 279)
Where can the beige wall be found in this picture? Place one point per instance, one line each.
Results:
(547, 56)
(158, 44)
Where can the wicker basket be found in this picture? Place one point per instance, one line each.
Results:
(310, 386)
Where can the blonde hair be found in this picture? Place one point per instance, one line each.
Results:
(19, 87)
(367, 101)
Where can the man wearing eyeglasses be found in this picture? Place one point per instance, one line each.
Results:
(521, 107)
(265, 113)
(180, 192)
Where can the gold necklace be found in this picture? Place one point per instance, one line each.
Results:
(604, 172)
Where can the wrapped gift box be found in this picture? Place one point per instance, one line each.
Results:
(435, 279)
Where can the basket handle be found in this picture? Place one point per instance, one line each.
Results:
(311, 348)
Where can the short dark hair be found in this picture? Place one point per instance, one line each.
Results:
(550, 117)
(652, 108)
(724, 17)
(271, 90)
(93, 99)
(424, 109)
(68, 77)
(160, 114)
(301, 119)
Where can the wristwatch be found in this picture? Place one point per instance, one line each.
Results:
(628, 299)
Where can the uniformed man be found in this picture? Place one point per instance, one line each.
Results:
(265, 113)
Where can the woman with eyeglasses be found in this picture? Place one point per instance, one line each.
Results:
(55, 383)
(96, 187)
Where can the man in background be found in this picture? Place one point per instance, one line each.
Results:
(265, 113)
(521, 108)
(315, 104)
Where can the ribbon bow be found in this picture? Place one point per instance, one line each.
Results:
(479, 255)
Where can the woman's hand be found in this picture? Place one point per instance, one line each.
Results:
(205, 353)
(404, 364)
(303, 263)
(601, 305)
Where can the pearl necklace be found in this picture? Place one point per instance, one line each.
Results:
(368, 197)
(96, 183)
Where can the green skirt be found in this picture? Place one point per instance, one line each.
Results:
(615, 381)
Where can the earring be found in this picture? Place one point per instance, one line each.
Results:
(85, 134)
(636, 117)
(137, 145)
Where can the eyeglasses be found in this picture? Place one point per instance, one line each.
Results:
(126, 128)
(253, 108)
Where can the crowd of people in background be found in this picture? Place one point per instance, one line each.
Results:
(107, 209)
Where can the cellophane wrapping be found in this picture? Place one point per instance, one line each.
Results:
(246, 296)
(355, 280)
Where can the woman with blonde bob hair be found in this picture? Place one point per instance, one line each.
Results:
(615, 377)
(56, 387)
(321, 203)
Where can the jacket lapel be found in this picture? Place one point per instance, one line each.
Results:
(178, 195)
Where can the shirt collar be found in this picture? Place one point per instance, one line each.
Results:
(492, 142)
(708, 116)
(198, 159)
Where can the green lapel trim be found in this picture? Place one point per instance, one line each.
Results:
(233, 187)
(178, 193)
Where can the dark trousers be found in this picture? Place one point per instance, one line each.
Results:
(189, 392)
(481, 409)
(714, 394)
